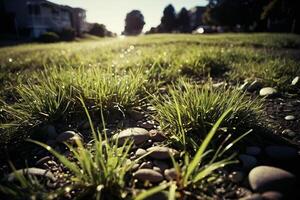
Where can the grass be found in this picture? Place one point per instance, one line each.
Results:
(47, 84)
(199, 108)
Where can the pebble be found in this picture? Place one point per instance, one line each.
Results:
(289, 117)
(170, 174)
(236, 176)
(281, 152)
(157, 136)
(139, 135)
(31, 171)
(148, 175)
(161, 153)
(146, 165)
(267, 91)
(248, 161)
(272, 195)
(295, 80)
(140, 152)
(289, 132)
(253, 150)
(161, 165)
(254, 196)
(265, 178)
(68, 136)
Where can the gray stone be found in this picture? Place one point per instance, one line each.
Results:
(139, 135)
(170, 174)
(254, 196)
(148, 175)
(272, 195)
(146, 165)
(295, 81)
(289, 132)
(289, 117)
(236, 176)
(248, 161)
(265, 178)
(281, 152)
(140, 152)
(161, 165)
(161, 153)
(31, 172)
(267, 92)
(69, 137)
(253, 150)
(157, 136)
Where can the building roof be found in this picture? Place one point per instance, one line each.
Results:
(45, 2)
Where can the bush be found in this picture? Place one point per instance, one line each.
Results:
(67, 34)
(49, 37)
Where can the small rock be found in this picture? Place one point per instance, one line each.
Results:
(289, 117)
(272, 195)
(161, 152)
(33, 172)
(170, 174)
(148, 175)
(254, 196)
(289, 132)
(161, 165)
(69, 137)
(140, 152)
(236, 176)
(267, 92)
(295, 80)
(264, 178)
(139, 135)
(253, 150)
(146, 165)
(248, 161)
(157, 169)
(157, 136)
(281, 152)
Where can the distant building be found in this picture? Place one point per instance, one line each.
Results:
(34, 17)
(196, 14)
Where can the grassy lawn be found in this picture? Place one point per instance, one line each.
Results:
(187, 84)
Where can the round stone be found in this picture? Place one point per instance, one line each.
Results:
(295, 80)
(267, 91)
(161, 153)
(140, 152)
(236, 176)
(170, 174)
(139, 135)
(248, 161)
(146, 165)
(254, 196)
(157, 136)
(289, 133)
(32, 172)
(69, 137)
(272, 195)
(281, 152)
(161, 165)
(265, 178)
(289, 117)
(253, 150)
(148, 175)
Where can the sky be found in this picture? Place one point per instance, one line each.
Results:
(112, 13)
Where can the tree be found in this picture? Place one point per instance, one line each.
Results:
(98, 30)
(183, 21)
(134, 23)
(168, 20)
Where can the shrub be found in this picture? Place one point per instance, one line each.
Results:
(67, 34)
(49, 37)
